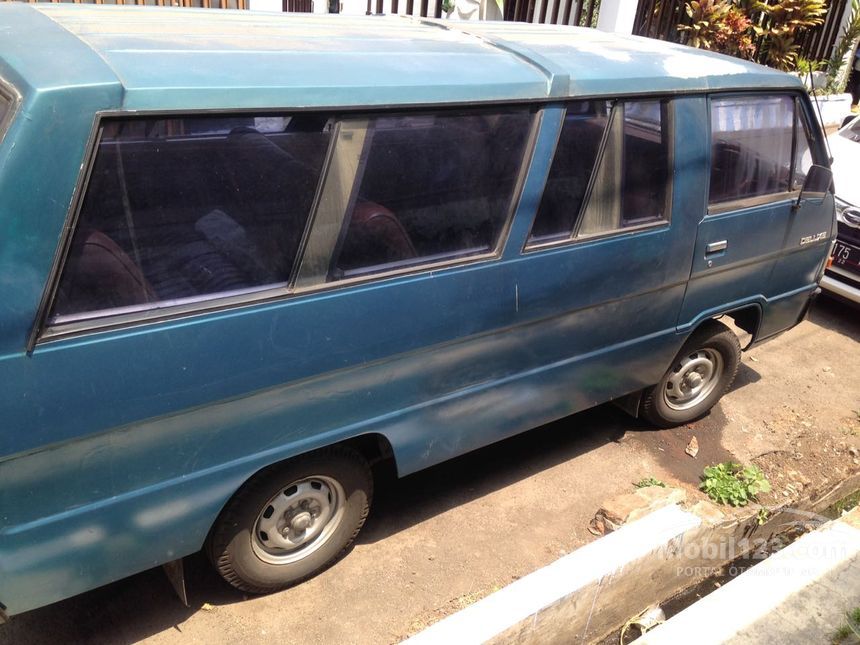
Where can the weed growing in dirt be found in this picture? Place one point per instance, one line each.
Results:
(649, 481)
(849, 632)
(733, 484)
(847, 503)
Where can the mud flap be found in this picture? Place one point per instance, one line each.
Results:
(175, 572)
(630, 403)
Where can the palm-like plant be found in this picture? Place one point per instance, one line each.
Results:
(783, 23)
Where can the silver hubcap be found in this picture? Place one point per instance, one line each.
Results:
(692, 379)
(298, 520)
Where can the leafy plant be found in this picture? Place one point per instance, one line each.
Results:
(649, 481)
(836, 79)
(806, 66)
(717, 25)
(753, 29)
(448, 5)
(781, 26)
(762, 516)
(733, 484)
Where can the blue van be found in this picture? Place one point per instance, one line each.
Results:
(244, 258)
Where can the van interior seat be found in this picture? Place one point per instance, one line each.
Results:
(216, 214)
(428, 176)
(374, 237)
(104, 277)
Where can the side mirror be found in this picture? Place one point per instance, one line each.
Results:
(817, 183)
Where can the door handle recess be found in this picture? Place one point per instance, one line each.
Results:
(716, 247)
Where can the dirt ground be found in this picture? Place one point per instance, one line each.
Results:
(439, 540)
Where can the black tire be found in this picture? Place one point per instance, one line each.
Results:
(713, 343)
(250, 559)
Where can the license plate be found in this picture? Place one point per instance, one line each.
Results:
(846, 256)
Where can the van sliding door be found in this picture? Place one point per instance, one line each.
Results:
(608, 250)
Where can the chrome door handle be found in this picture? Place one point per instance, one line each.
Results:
(716, 247)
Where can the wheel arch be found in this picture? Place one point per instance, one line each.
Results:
(374, 447)
(746, 317)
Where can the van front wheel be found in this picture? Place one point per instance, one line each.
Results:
(701, 373)
(291, 521)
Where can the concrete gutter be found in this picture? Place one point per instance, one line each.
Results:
(559, 603)
(799, 595)
(649, 557)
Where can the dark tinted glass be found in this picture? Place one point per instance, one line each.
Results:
(751, 146)
(571, 170)
(180, 209)
(645, 168)
(432, 187)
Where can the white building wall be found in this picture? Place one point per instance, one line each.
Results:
(265, 5)
(617, 16)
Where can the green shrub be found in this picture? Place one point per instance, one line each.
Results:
(734, 484)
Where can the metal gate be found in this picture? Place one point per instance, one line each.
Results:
(204, 4)
(556, 12)
(581, 13)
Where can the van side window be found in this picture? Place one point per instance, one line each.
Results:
(572, 167)
(179, 210)
(751, 146)
(431, 188)
(646, 157)
(628, 184)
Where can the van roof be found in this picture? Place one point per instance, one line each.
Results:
(170, 58)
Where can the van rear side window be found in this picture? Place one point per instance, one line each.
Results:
(575, 158)
(431, 188)
(179, 210)
(628, 181)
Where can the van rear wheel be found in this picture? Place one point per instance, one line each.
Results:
(701, 373)
(291, 521)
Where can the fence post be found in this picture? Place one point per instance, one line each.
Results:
(617, 16)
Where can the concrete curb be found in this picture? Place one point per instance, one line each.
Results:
(594, 590)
